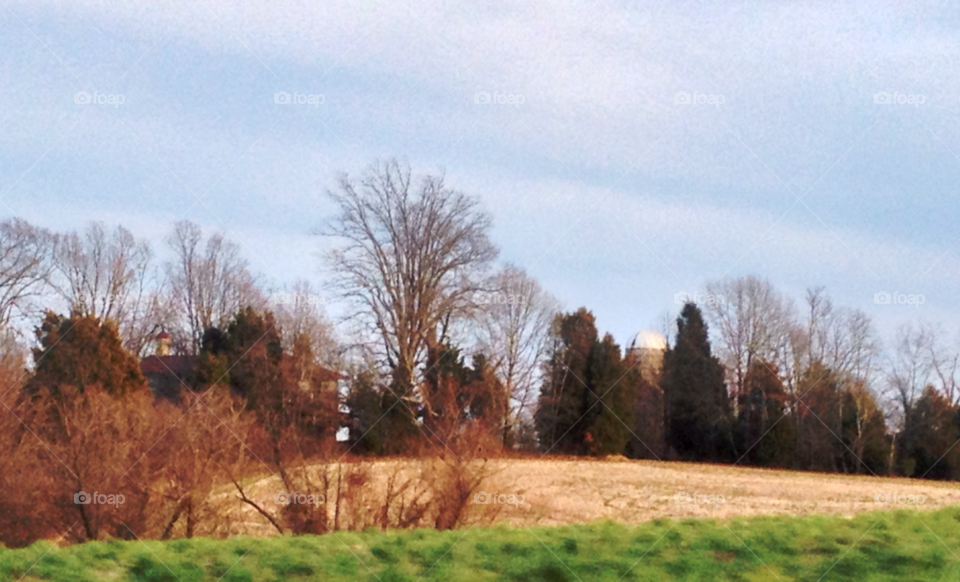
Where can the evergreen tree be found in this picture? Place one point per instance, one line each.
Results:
(698, 408)
(398, 425)
(363, 402)
(79, 351)
(609, 426)
(765, 436)
(587, 399)
(253, 358)
(564, 399)
(925, 447)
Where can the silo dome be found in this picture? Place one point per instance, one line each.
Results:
(647, 339)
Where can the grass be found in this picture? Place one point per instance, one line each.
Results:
(891, 545)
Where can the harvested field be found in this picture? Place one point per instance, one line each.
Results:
(559, 491)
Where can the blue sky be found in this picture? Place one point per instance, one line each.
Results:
(602, 183)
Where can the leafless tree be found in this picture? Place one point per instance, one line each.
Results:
(910, 370)
(411, 257)
(842, 339)
(300, 312)
(24, 267)
(151, 311)
(109, 276)
(210, 282)
(944, 361)
(753, 321)
(96, 272)
(514, 319)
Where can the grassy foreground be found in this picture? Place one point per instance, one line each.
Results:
(900, 545)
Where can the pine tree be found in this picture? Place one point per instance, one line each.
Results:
(698, 408)
(564, 400)
(613, 416)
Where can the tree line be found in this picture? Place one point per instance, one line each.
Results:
(780, 390)
(444, 357)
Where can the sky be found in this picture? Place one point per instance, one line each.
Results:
(628, 155)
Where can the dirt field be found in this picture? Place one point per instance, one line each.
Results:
(563, 491)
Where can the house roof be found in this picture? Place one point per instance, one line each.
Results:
(180, 366)
(183, 366)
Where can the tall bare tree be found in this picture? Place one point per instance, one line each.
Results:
(411, 256)
(210, 282)
(754, 323)
(24, 267)
(514, 316)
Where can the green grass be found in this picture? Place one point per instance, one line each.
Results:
(903, 545)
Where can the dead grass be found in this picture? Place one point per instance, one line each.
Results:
(559, 491)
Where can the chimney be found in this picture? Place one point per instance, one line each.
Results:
(163, 344)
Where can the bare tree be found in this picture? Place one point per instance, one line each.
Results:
(412, 255)
(944, 361)
(24, 267)
(300, 313)
(753, 321)
(841, 345)
(841, 339)
(910, 371)
(514, 320)
(108, 276)
(97, 272)
(210, 282)
(152, 310)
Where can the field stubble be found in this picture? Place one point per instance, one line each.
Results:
(561, 491)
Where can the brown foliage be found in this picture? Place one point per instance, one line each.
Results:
(159, 462)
